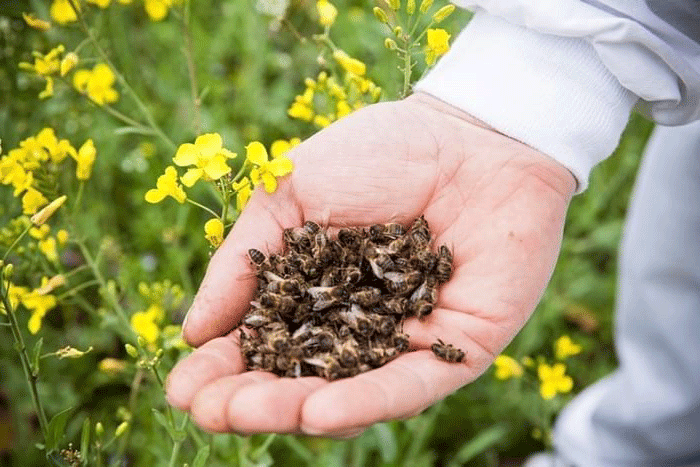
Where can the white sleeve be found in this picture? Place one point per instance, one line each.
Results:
(562, 75)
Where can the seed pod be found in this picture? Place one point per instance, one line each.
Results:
(425, 5)
(380, 15)
(443, 13)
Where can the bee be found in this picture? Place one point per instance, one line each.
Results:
(378, 259)
(351, 275)
(443, 268)
(378, 356)
(282, 286)
(289, 363)
(394, 306)
(301, 236)
(257, 318)
(419, 233)
(424, 297)
(366, 296)
(447, 352)
(321, 340)
(384, 324)
(327, 296)
(282, 304)
(327, 366)
(400, 283)
(423, 259)
(305, 264)
(397, 245)
(348, 355)
(331, 277)
(350, 237)
(357, 319)
(389, 231)
(276, 341)
(321, 249)
(400, 342)
(303, 312)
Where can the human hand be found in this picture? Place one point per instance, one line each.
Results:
(497, 203)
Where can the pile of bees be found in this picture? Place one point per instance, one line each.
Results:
(334, 307)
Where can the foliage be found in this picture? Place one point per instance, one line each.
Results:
(117, 105)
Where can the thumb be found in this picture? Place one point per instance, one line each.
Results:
(229, 283)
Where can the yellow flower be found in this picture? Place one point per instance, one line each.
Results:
(166, 185)
(207, 155)
(85, 159)
(214, 232)
(39, 305)
(97, 84)
(342, 108)
(62, 237)
(322, 121)
(157, 9)
(32, 201)
(326, 13)
(243, 189)
(36, 23)
(438, 45)
(265, 170)
(301, 111)
(48, 247)
(553, 379)
(350, 64)
(57, 150)
(145, 323)
(44, 65)
(68, 63)
(62, 12)
(507, 367)
(281, 146)
(14, 294)
(564, 347)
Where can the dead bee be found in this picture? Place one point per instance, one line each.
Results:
(390, 231)
(321, 340)
(301, 236)
(305, 264)
(400, 283)
(424, 297)
(423, 259)
(289, 363)
(282, 304)
(400, 342)
(350, 237)
(332, 276)
(276, 341)
(257, 317)
(327, 366)
(394, 306)
(447, 352)
(443, 268)
(378, 259)
(397, 245)
(282, 286)
(347, 352)
(366, 296)
(419, 233)
(384, 324)
(378, 356)
(357, 319)
(327, 296)
(321, 249)
(351, 275)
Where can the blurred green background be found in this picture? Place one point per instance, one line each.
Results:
(249, 67)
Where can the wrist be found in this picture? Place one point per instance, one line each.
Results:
(551, 93)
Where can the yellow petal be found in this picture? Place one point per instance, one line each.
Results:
(256, 153)
(270, 182)
(216, 168)
(36, 23)
(255, 176)
(187, 154)
(208, 144)
(191, 177)
(214, 230)
(155, 196)
(279, 147)
(280, 166)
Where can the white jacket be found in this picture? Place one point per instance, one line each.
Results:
(563, 75)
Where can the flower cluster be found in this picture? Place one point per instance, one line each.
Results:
(148, 323)
(97, 84)
(325, 100)
(49, 65)
(38, 301)
(206, 159)
(63, 12)
(552, 379)
(38, 157)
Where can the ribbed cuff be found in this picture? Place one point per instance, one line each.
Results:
(551, 93)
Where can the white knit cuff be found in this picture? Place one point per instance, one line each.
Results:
(551, 93)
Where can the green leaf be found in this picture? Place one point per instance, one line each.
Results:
(37, 356)
(85, 441)
(477, 445)
(160, 418)
(201, 458)
(56, 428)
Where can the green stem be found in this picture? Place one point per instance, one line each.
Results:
(26, 365)
(176, 451)
(76, 289)
(202, 206)
(407, 68)
(17, 240)
(168, 409)
(139, 103)
(128, 120)
(78, 198)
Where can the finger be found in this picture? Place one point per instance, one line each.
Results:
(229, 283)
(209, 408)
(403, 387)
(217, 358)
(271, 406)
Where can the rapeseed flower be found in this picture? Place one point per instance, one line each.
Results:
(564, 347)
(166, 185)
(348, 63)
(85, 157)
(97, 84)
(553, 380)
(266, 170)
(68, 63)
(507, 367)
(39, 305)
(145, 323)
(208, 156)
(438, 45)
(214, 232)
(243, 189)
(36, 23)
(32, 200)
(157, 9)
(62, 12)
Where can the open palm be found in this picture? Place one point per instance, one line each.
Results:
(498, 204)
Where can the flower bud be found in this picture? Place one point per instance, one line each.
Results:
(47, 211)
(443, 13)
(8, 271)
(394, 4)
(425, 5)
(398, 31)
(390, 44)
(68, 63)
(410, 6)
(99, 429)
(131, 350)
(121, 429)
(380, 15)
